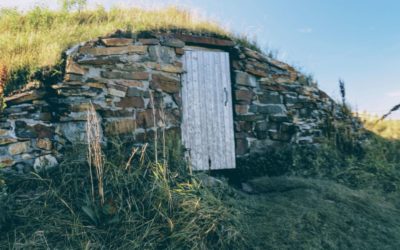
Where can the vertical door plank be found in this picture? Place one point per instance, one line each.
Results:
(228, 113)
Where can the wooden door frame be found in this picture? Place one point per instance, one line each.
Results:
(231, 78)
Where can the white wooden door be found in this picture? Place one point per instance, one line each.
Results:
(207, 125)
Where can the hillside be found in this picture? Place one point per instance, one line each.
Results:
(341, 192)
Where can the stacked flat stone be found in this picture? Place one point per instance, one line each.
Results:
(133, 81)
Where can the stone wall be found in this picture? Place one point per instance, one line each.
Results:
(133, 81)
(275, 104)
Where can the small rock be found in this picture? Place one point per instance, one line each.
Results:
(210, 181)
(44, 143)
(19, 148)
(247, 188)
(44, 163)
(173, 42)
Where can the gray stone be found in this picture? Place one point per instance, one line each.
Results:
(173, 42)
(242, 78)
(250, 117)
(44, 162)
(260, 146)
(261, 126)
(125, 75)
(210, 181)
(164, 54)
(279, 118)
(272, 109)
(132, 91)
(305, 140)
(270, 98)
(73, 131)
(247, 188)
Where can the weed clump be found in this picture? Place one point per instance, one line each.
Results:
(146, 206)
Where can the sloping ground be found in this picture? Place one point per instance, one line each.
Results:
(387, 128)
(296, 213)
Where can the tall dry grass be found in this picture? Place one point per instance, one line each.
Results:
(95, 153)
(144, 205)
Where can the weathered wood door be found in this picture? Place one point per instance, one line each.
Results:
(207, 126)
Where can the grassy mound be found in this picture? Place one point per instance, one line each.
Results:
(298, 213)
(35, 39)
(147, 206)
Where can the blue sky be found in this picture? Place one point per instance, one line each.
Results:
(358, 41)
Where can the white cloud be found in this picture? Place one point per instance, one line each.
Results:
(393, 94)
(305, 30)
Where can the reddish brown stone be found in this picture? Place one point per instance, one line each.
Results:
(129, 83)
(256, 55)
(43, 131)
(245, 126)
(200, 40)
(96, 85)
(167, 84)
(45, 144)
(149, 41)
(117, 41)
(244, 96)
(131, 102)
(74, 68)
(169, 68)
(179, 51)
(241, 109)
(280, 78)
(4, 141)
(256, 72)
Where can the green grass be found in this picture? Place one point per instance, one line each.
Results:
(35, 39)
(387, 128)
(147, 206)
(322, 199)
(298, 213)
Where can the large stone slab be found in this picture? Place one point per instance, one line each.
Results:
(19, 148)
(120, 126)
(131, 102)
(164, 83)
(202, 40)
(106, 51)
(125, 75)
(25, 97)
(117, 41)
